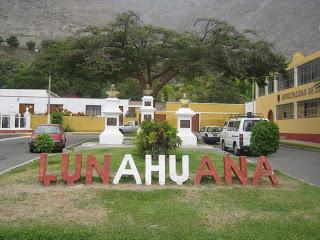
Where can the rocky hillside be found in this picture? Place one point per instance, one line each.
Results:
(292, 25)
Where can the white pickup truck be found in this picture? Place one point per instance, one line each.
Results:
(129, 127)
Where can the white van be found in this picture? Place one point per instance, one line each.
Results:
(236, 132)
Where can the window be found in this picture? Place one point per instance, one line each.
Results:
(309, 108)
(202, 129)
(285, 82)
(285, 111)
(309, 72)
(270, 86)
(236, 126)
(147, 103)
(249, 124)
(261, 91)
(230, 126)
(93, 110)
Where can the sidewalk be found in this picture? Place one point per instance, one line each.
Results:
(300, 144)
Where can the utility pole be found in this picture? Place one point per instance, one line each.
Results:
(49, 95)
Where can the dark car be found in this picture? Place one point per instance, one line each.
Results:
(55, 131)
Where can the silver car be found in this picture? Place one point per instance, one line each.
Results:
(209, 134)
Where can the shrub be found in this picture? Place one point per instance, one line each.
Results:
(67, 129)
(12, 41)
(156, 138)
(31, 45)
(44, 143)
(57, 118)
(264, 138)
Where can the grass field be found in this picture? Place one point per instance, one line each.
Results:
(127, 211)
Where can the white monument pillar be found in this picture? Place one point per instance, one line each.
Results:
(111, 134)
(27, 119)
(147, 110)
(184, 124)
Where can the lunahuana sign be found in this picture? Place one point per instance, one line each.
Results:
(206, 168)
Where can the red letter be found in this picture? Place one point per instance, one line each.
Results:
(70, 179)
(46, 179)
(93, 163)
(263, 162)
(205, 162)
(230, 166)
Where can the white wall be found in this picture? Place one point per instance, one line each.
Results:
(11, 104)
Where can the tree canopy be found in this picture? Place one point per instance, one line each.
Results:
(132, 54)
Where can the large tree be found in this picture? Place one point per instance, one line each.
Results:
(127, 50)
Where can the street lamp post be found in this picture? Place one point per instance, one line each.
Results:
(49, 94)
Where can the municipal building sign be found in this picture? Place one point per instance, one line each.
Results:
(300, 93)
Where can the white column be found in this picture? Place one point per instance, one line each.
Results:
(147, 110)
(111, 134)
(184, 126)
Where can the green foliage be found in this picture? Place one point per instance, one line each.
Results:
(156, 138)
(1, 40)
(57, 118)
(67, 129)
(31, 45)
(12, 41)
(44, 143)
(132, 54)
(264, 138)
(8, 69)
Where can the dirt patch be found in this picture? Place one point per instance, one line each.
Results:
(58, 205)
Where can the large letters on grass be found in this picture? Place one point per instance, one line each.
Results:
(205, 169)
(264, 163)
(230, 166)
(131, 172)
(206, 163)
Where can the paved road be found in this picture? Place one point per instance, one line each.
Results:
(16, 151)
(297, 163)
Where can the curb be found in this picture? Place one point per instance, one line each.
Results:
(301, 148)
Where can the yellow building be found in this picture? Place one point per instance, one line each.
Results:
(292, 101)
(207, 114)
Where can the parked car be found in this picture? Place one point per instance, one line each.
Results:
(55, 131)
(236, 133)
(130, 126)
(209, 134)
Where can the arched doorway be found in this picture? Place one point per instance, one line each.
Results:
(270, 116)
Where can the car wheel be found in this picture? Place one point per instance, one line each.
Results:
(223, 146)
(236, 151)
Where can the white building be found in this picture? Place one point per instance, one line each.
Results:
(17, 100)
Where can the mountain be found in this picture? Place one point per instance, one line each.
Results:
(291, 25)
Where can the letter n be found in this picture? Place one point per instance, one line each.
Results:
(93, 163)
(206, 163)
(46, 179)
(264, 163)
(71, 179)
(230, 166)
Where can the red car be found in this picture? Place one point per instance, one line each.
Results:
(55, 131)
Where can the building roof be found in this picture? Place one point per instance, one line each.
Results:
(26, 93)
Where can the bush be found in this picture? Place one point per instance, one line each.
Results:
(57, 118)
(264, 138)
(12, 41)
(44, 143)
(31, 45)
(156, 138)
(67, 129)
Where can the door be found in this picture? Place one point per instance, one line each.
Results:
(23, 108)
(160, 117)
(195, 123)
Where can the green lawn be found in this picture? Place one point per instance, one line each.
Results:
(127, 211)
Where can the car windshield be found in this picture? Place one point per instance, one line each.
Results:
(215, 129)
(47, 129)
(249, 124)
